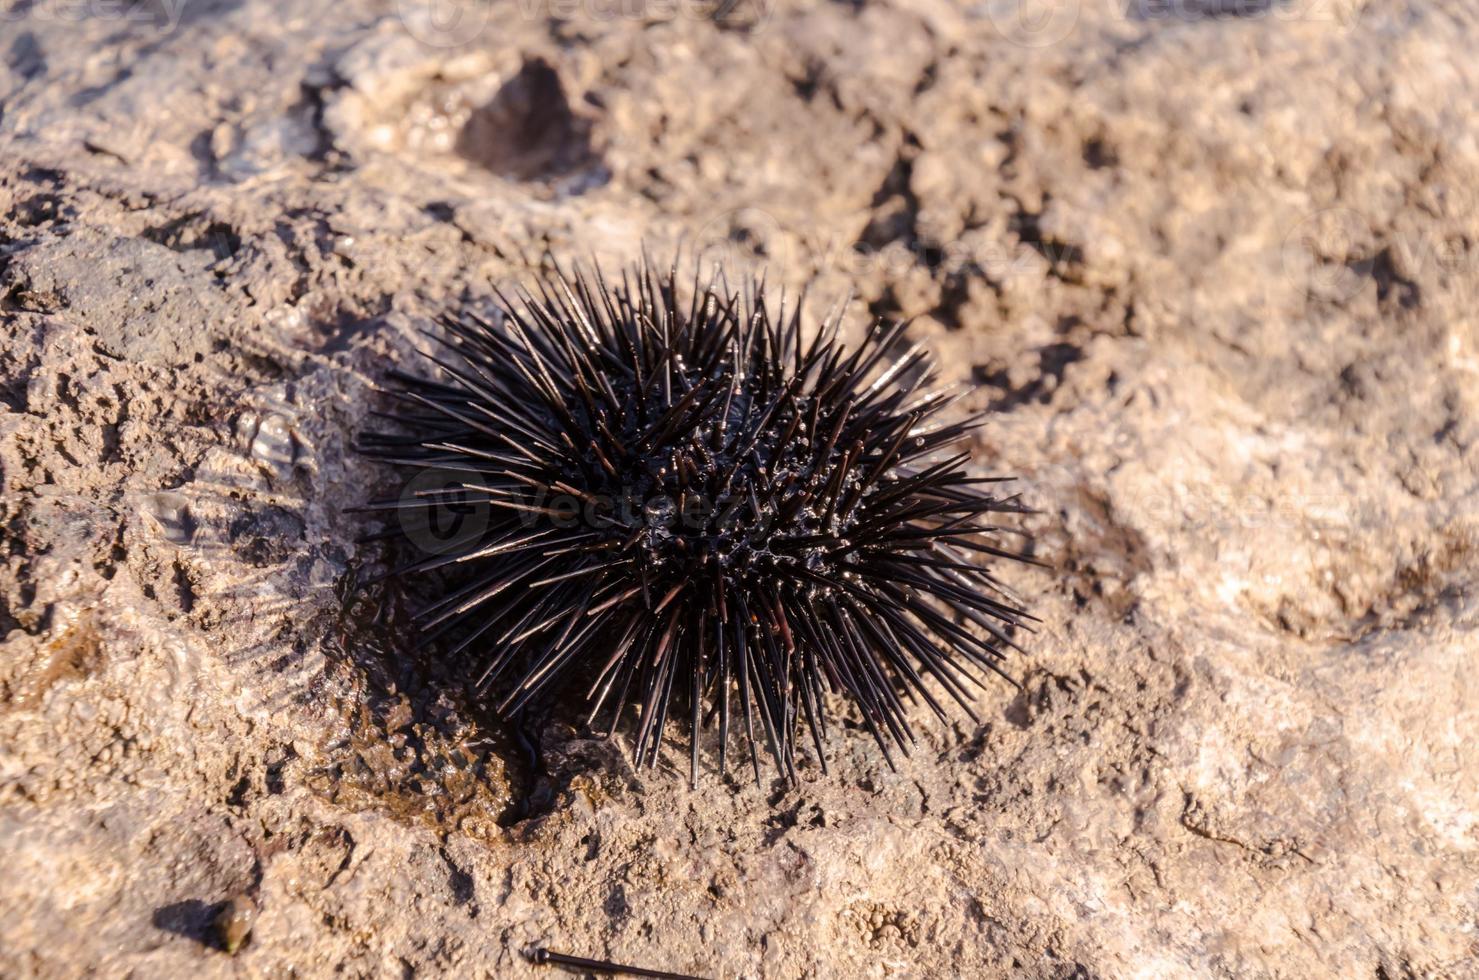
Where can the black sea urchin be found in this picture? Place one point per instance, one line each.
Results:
(651, 495)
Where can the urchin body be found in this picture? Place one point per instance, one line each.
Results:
(690, 501)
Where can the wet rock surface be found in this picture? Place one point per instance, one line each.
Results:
(1214, 268)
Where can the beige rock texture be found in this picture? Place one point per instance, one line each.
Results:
(1213, 263)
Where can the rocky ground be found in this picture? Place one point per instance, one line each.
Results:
(1214, 264)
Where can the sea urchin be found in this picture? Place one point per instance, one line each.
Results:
(652, 496)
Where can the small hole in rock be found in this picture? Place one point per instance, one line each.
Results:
(528, 131)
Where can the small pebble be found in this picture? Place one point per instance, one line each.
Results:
(234, 923)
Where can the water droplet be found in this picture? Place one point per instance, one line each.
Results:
(171, 512)
(271, 441)
(659, 512)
